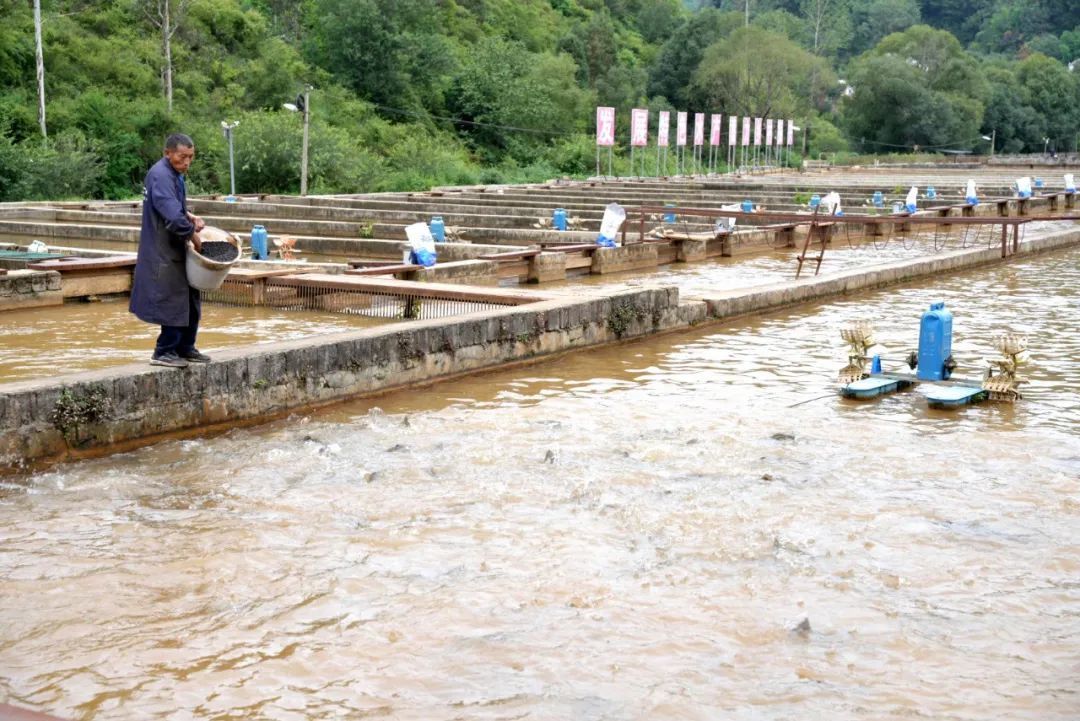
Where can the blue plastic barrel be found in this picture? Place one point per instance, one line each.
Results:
(258, 242)
(1038, 182)
(747, 206)
(935, 343)
(930, 192)
(669, 217)
(438, 229)
(815, 201)
(558, 219)
(879, 199)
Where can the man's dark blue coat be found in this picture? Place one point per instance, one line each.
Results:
(159, 293)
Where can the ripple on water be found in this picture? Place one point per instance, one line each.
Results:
(684, 527)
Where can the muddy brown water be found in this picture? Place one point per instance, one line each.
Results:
(36, 342)
(41, 342)
(636, 532)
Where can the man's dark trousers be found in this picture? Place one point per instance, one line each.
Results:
(180, 339)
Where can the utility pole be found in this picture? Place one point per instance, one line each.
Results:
(304, 150)
(303, 105)
(228, 129)
(40, 68)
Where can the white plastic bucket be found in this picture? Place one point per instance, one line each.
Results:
(206, 274)
(614, 215)
(1023, 187)
(422, 244)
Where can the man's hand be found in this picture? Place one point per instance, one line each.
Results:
(198, 222)
(196, 241)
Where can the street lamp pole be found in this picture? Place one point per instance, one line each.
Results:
(304, 151)
(303, 105)
(228, 128)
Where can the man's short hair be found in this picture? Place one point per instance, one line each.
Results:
(177, 140)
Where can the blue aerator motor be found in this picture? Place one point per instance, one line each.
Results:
(935, 361)
(558, 219)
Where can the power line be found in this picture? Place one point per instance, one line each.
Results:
(474, 123)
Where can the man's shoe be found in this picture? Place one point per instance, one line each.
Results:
(194, 356)
(170, 360)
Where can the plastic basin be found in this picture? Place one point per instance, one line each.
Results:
(204, 273)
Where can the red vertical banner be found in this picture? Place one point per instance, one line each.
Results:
(757, 131)
(639, 127)
(699, 128)
(680, 129)
(732, 129)
(746, 131)
(662, 131)
(714, 129)
(605, 126)
(768, 132)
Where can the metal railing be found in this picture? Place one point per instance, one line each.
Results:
(820, 227)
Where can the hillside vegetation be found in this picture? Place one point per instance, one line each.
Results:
(406, 94)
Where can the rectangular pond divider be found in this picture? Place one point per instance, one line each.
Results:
(374, 297)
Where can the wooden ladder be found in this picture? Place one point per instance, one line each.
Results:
(822, 231)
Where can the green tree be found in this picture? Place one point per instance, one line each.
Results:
(829, 24)
(268, 147)
(893, 107)
(875, 19)
(784, 23)
(679, 57)
(757, 73)
(961, 18)
(1009, 120)
(593, 46)
(65, 167)
(388, 51)
(656, 21)
(16, 43)
(1053, 93)
(286, 17)
(1012, 26)
(824, 138)
(515, 101)
(940, 58)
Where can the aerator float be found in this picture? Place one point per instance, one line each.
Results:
(932, 364)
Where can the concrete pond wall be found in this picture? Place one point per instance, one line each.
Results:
(98, 412)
